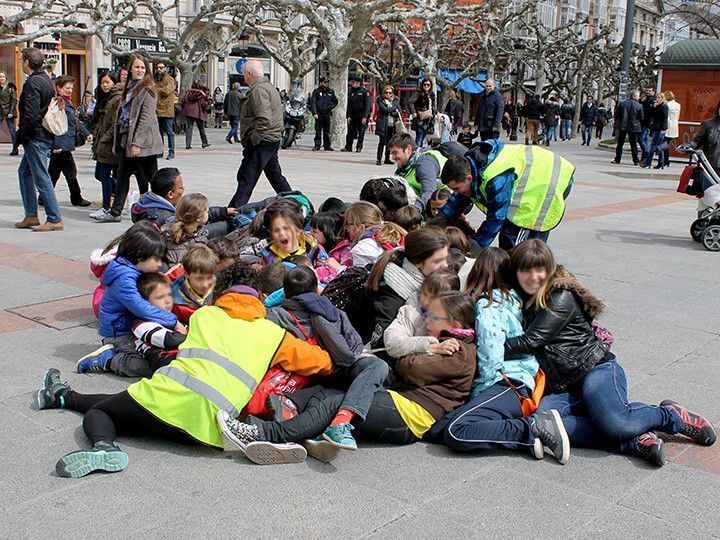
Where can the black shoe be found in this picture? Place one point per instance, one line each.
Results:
(52, 393)
(171, 155)
(549, 428)
(14, 153)
(206, 145)
(81, 202)
(358, 150)
(329, 149)
(228, 140)
(316, 149)
(237, 140)
(658, 167)
(378, 162)
(650, 448)
(188, 147)
(388, 162)
(346, 150)
(694, 426)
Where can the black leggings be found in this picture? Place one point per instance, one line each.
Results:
(142, 167)
(383, 422)
(107, 415)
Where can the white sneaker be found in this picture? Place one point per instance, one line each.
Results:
(132, 198)
(97, 214)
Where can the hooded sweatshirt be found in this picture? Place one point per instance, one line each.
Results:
(316, 317)
(153, 208)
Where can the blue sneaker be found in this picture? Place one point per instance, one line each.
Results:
(340, 436)
(98, 360)
(103, 456)
(52, 393)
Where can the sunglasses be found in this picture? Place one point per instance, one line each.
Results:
(388, 92)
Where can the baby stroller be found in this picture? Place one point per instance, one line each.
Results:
(700, 180)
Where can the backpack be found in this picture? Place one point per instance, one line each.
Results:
(451, 148)
(347, 292)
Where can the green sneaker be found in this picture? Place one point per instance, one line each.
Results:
(103, 456)
(340, 436)
(52, 393)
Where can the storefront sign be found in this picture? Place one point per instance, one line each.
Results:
(151, 45)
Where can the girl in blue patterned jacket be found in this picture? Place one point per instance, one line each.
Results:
(493, 417)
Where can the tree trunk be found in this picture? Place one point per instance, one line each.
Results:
(339, 83)
(580, 83)
(187, 72)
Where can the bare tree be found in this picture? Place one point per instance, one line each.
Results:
(703, 17)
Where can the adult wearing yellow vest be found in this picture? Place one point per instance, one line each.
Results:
(228, 350)
(521, 189)
(419, 167)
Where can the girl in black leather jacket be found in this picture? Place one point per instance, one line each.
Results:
(585, 381)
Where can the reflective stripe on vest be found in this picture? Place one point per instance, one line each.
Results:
(229, 366)
(199, 387)
(411, 174)
(541, 181)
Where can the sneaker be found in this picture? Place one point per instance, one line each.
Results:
(321, 449)
(98, 213)
(649, 447)
(103, 456)
(107, 217)
(549, 428)
(98, 360)
(694, 426)
(267, 453)
(340, 436)
(236, 435)
(171, 155)
(537, 450)
(281, 408)
(52, 393)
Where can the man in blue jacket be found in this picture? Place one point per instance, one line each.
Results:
(521, 189)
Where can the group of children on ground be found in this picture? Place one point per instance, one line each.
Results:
(278, 332)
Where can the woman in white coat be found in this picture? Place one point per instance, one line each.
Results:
(673, 130)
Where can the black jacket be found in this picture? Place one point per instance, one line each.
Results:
(455, 109)
(490, 112)
(233, 102)
(561, 337)
(35, 98)
(322, 101)
(588, 114)
(659, 118)
(534, 110)
(358, 104)
(708, 140)
(648, 104)
(567, 111)
(384, 112)
(551, 110)
(631, 116)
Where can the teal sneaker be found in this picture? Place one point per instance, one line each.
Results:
(52, 393)
(98, 360)
(103, 456)
(340, 436)
(321, 449)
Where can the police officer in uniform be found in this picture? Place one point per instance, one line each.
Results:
(520, 189)
(358, 113)
(322, 102)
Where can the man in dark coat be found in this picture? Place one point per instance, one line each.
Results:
(488, 119)
(588, 115)
(322, 102)
(358, 112)
(534, 112)
(35, 98)
(567, 114)
(629, 124)
(231, 108)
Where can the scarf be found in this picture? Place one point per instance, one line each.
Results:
(405, 280)
(124, 119)
(190, 297)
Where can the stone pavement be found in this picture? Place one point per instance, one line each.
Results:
(625, 234)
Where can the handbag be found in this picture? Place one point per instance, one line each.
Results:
(529, 404)
(425, 115)
(80, 139)
(55, 120)
(400, 126)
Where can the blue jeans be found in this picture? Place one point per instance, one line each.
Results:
(34, 177)
(104, 175)
(587, 133)
(167, 127)
(493, 419)
(234, 124)
(549, 134)
(420, 137)
(565, 129)
(597, 413)
(658, 138)
(11, 129)
(643, 140)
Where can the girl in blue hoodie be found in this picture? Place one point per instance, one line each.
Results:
(139, 252)
(493, 417)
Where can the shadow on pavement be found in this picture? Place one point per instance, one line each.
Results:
(647, 238)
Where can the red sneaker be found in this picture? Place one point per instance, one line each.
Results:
(650, 448)
(694, 426)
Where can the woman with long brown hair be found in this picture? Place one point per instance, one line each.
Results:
(388, 106)
(136, 141)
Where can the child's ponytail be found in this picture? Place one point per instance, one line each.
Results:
(187, 216)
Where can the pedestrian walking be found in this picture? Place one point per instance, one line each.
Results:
(165, 88)
(567, 114)
(534, 111)
(63, 146)
(136, 137)
(322, 102)
(422, 109)
(601, 120)
(218, 99)
(550, 118)
(33, 174)
(8, 109)
(196, 104)
(108, 96)
(261, 123)
(455, 109)
(231, 107)
(488, 119)
(588, 115)
(658, 128)
(388, 117)
(673, 131)
(648, 102)
(629, 124)
(357, 115)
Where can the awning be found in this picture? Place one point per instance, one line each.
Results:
(470, 85)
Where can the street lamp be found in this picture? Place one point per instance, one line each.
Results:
(392, 27)
(518, 46)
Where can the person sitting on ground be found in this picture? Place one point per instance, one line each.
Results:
(585, 382)
(194, 288)
(428, 387)
(373, 188)
(226, 252)
(369, 235)
(437, 200)
(327, 229)
(391, 200)
(408, 217)
(188, 229)
(421, 168)
(407, 333)
(168, 405)
(269, 283)
(459, 242)
(139, 252)
(312, 317)
(333, 204)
